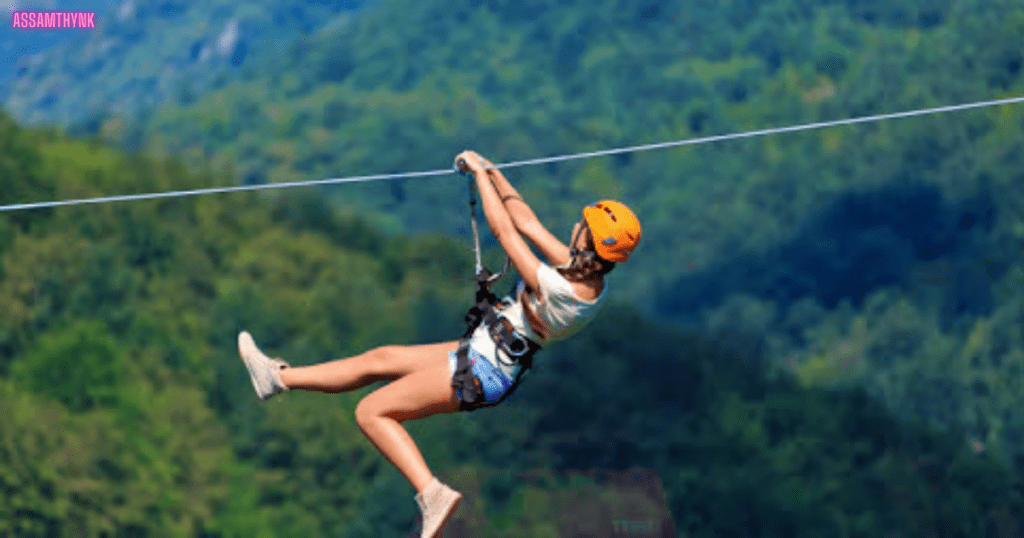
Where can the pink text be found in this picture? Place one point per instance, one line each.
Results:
(53, 19)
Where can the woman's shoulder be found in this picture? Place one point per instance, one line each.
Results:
(553, 282)
(547, 273)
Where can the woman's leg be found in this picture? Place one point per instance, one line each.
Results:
(380, 364)
(417, 395)
(421, 386)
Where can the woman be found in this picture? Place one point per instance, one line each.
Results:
(554, 300)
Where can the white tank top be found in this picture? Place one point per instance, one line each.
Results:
(561, 310)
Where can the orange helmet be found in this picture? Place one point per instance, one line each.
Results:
(615, 228)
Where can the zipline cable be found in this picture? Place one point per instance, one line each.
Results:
(171, 194)
(763, 132)
(543, 160)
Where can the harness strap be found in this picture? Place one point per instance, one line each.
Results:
(468, 385)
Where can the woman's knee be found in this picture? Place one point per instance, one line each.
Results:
(366, 413)
(371, 409)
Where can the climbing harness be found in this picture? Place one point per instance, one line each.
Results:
(517, 346)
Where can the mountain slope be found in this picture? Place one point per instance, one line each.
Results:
(129, 412)
(886, 255)
(144, 55)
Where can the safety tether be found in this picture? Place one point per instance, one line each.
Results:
(483, 276)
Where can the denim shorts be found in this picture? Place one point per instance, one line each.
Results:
(485, 367)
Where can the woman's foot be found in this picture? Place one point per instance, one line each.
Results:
(437, 503)
(264, 371)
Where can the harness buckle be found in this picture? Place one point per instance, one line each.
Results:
(508, 338)
(517, 346)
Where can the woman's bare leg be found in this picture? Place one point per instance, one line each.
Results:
(417, 395)
(379, 364)
(421, 387)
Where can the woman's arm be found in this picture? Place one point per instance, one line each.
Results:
(522, 215)
(501, 223)
(525, 220)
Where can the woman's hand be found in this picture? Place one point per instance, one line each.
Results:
(474, 162)
(499, 218)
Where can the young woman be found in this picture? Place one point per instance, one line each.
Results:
(554, 300)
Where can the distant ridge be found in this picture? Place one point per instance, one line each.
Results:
(16, 44)
(144, 54)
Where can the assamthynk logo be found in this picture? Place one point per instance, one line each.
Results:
(53, 19)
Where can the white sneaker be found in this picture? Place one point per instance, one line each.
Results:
(437, 503)
(264, 371)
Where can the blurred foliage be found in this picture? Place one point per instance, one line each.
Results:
(141, 55)
(793, 296)
(130, 414)
(375, 96)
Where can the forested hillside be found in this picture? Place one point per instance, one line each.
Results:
(821, 334)
(886, 255)
(16, 44)
(401, 87)
(144, 55)
(128, 412)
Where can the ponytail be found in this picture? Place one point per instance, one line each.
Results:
(586, 264)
